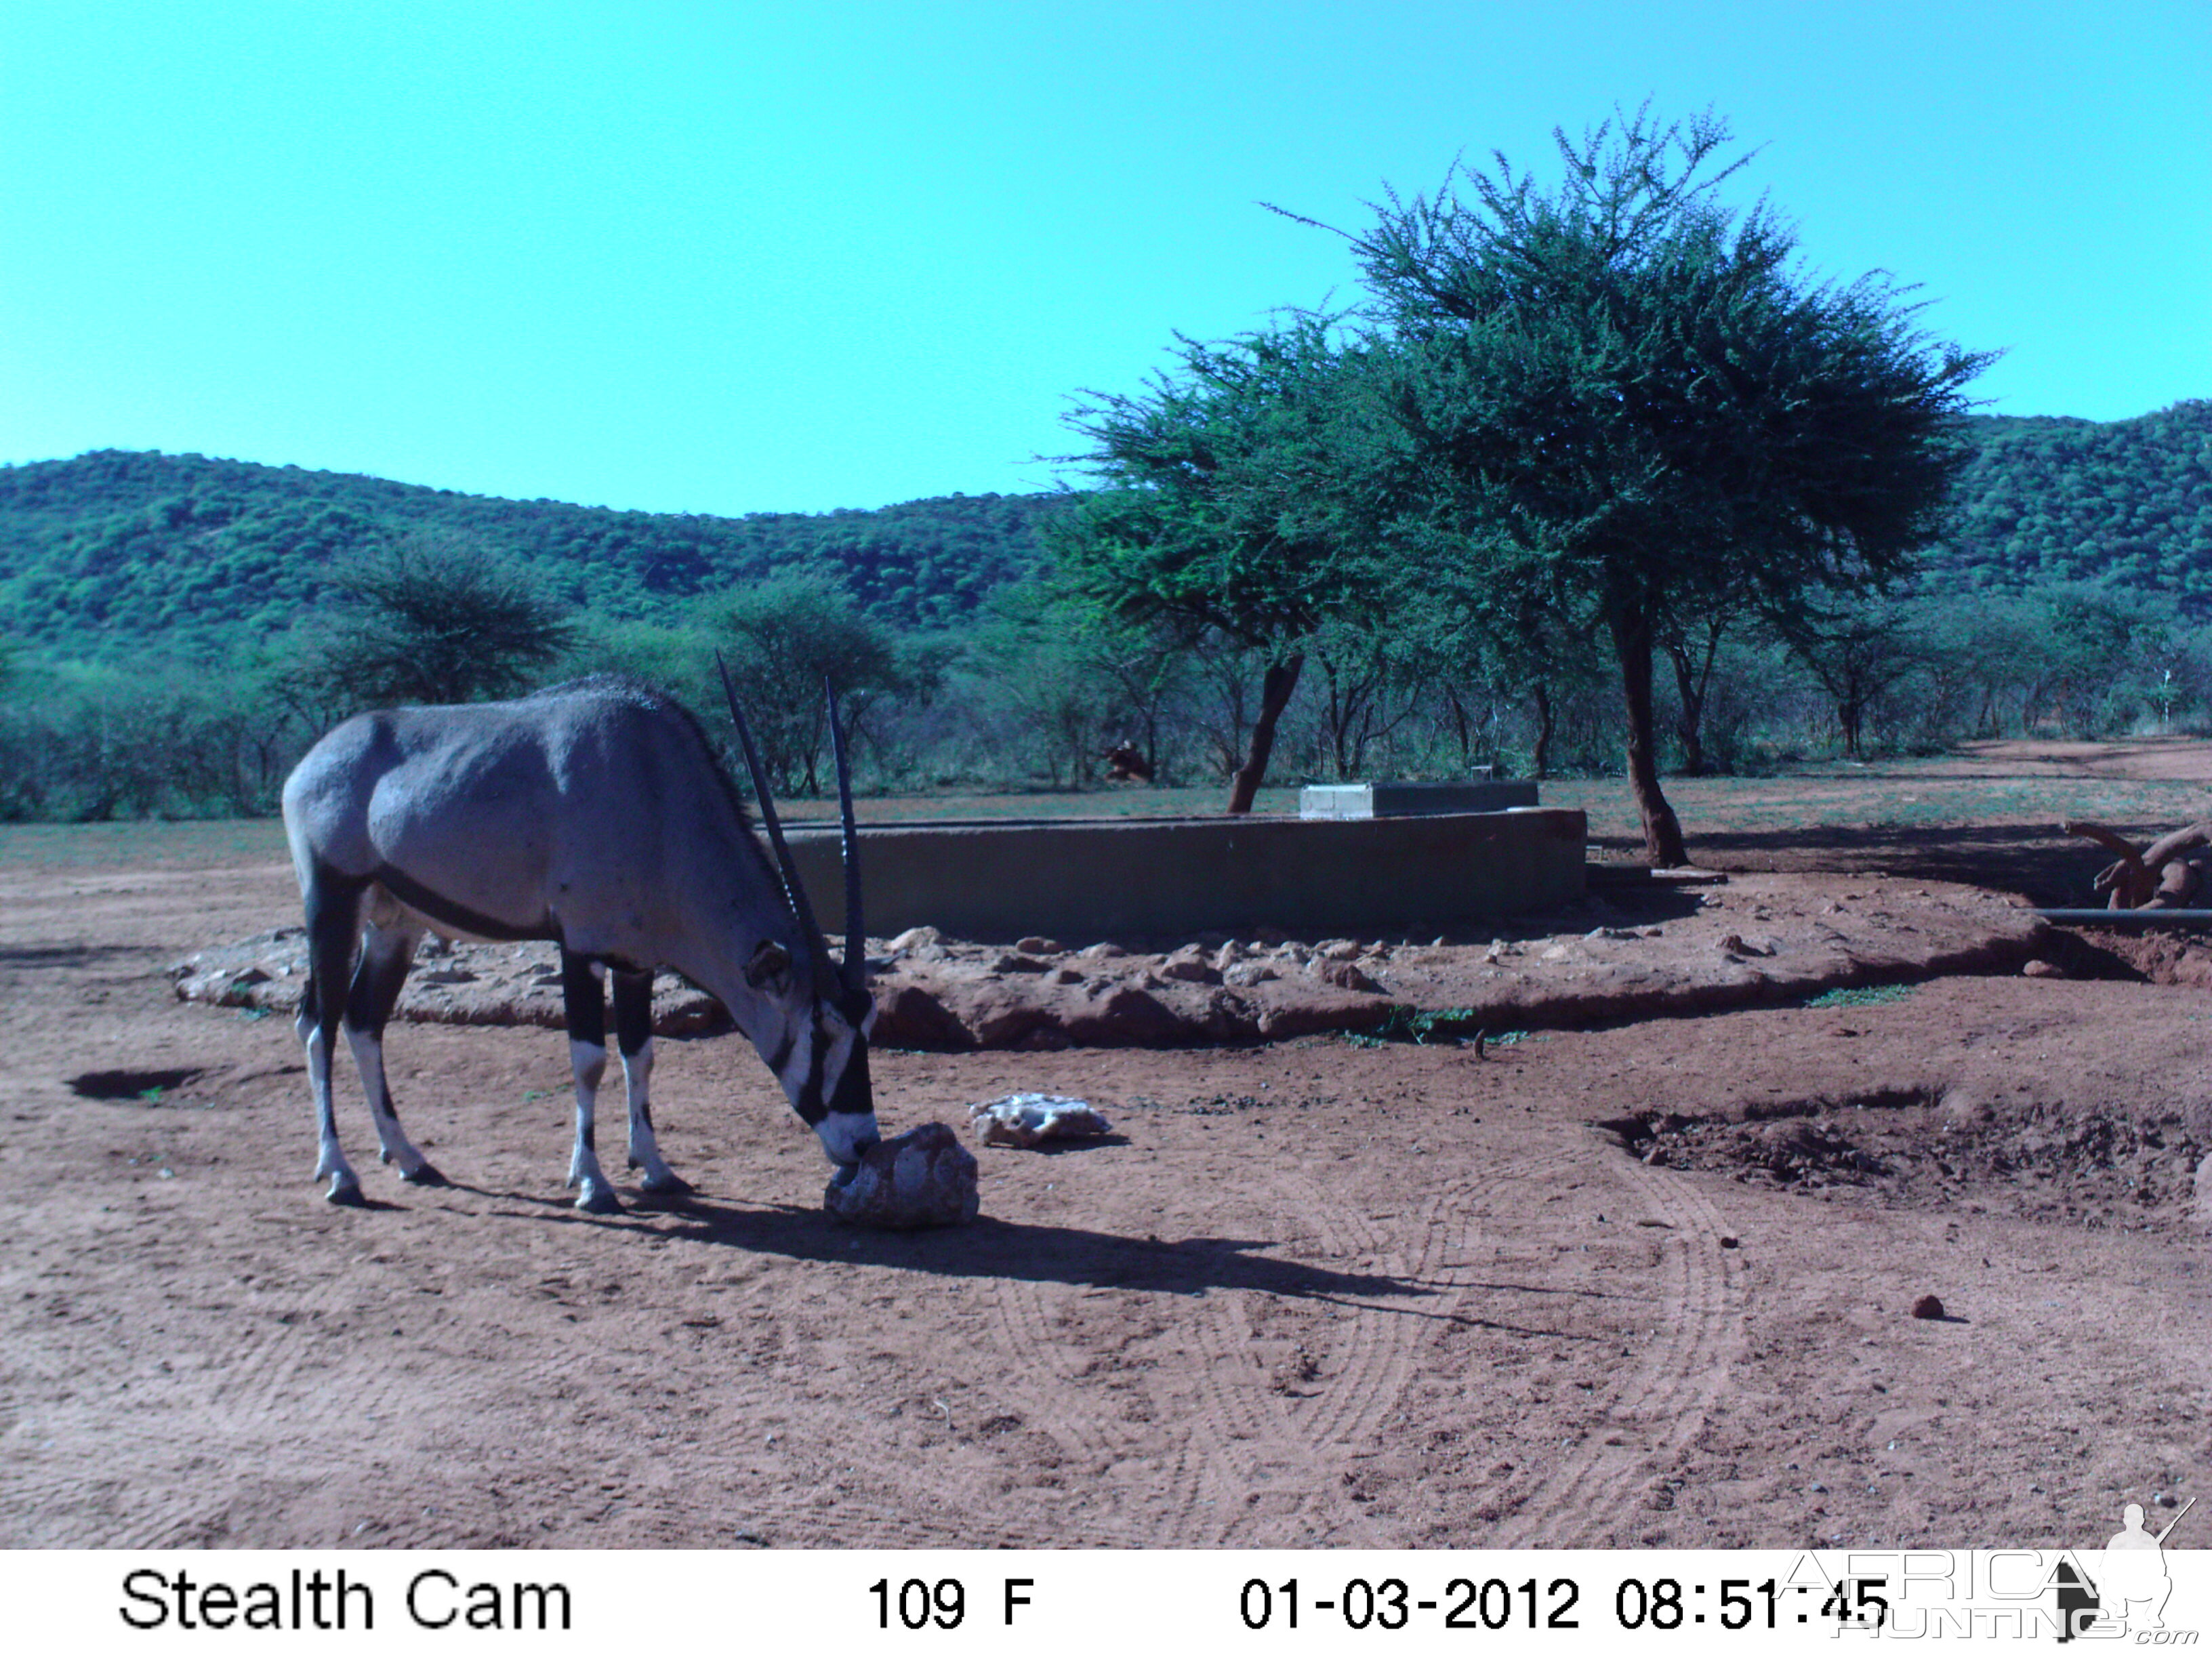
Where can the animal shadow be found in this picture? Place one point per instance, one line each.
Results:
(988, 1248)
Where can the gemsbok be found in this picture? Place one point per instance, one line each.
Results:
(595, 815)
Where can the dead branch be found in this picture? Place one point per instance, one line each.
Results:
(2160, 877)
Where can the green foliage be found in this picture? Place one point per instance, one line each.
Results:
(1236, 503)
(782, 639)
(1859, 647)
(1601, 419)
(2044, 500)
(1629, 412)
(102, 553)
(93, 744)
(1224, 503)
(1032, 665)
(1860, 996)
(1624, 385)
(1403, 1023)
(432, 620)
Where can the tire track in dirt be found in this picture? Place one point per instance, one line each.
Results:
(1678, 1377)
(227, 1455)
(1225, 1457)
(69, 1512)
(1259, 1478)
(1270, 1444)
(1052, 1395)
(101, 1523)
(1265, 1480)
(1373, 1368)
(214, 1418)
(1434, 1256)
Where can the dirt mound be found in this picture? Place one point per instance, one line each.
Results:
(2156, 958)
(1924, 1146)
(1691, 943)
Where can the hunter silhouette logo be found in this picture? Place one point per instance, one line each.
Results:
(2131, 1586)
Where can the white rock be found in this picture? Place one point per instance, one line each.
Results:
(1025, 1119)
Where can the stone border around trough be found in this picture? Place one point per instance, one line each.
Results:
(1695, 943)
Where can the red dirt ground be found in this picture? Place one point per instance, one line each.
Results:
(1644, 1285)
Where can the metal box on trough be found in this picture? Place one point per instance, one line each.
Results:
(1413, 800)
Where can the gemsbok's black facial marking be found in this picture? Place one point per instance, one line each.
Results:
(811, 1107)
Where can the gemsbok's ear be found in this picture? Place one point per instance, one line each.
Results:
(770, 962)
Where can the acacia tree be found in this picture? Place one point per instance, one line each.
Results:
(434, 619)
(1859, 649)
(1628, 404)
(782, 637)
(1225, 507)
(1692, 648)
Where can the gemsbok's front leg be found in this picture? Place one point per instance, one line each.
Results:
(386, 954)
(633, 1034)
(587, 1007)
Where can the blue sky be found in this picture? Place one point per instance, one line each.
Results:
(739, 258)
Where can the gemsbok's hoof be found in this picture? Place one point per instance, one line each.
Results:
(344, 1189)
(599, 1200)
(425, 1174)
(666, 1186)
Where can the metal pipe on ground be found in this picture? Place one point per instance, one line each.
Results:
(2128, 920)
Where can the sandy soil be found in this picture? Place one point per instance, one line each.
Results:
(1645, 1284)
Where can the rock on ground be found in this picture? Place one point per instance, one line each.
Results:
(923, 1178)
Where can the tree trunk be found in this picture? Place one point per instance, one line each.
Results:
(1546, 718)
(1459, 722)
(1693, 680)
(1631, 643)
(1340, 720)
(1281, 679)
(1685, 726)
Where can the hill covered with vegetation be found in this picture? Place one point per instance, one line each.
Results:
(109, 553)
(113, 551)
(2048, 500)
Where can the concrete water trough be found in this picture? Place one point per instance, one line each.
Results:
(1087, 879)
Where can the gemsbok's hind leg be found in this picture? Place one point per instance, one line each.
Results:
(633, 1035)
(333, 927)
(386, 954)
(587, 1007)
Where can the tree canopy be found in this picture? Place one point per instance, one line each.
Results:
(1231, 500)
(783, 639)
(432, 620)
(1622, 396)
(110, 555)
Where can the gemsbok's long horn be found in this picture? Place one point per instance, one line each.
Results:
(795, 889)
(856, 935)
